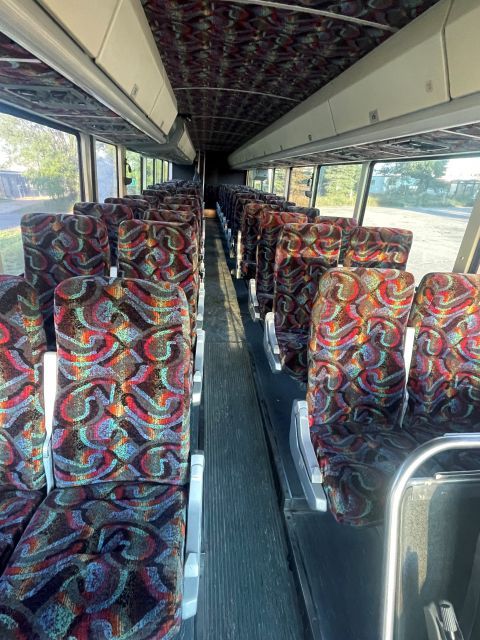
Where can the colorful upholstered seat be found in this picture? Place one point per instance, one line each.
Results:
(102, 557)
(161, 251)
(378, 247)
(57, 247)
(304, 252)
(137, 205)
(249, 236)
(346, 224)
(271, 224)
(311, 212)
(22, 423)
(444, 381)
(356, 382)
(111, 214)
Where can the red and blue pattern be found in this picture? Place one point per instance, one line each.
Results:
(111, 214)
(379, 247)
(346, 224)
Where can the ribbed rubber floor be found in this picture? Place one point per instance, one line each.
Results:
(248, 589)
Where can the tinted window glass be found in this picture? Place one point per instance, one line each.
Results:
(133, 161)
(337, 189)
(106, 166)
(300, 186)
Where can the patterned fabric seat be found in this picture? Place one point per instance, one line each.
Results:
(111, 214)
(355, 392)
(102, 557)
(161, 251)
(250, 229)
(311, 212)
(22, 426)
(379, 247)
(57, 247)
(137, 205)
(271, 224)
(346, 224)
(304, 252)
(444, 381)
(184, 214)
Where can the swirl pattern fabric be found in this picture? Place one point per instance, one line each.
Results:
(356, 387)
(311, 212)
(178, 213)
(161, 251)
(250, 229)
(444, 381)
(100, 561)
(304, 253)
(379, 247)
(271, 224)
(111, 214)
(57, 247)
(346, 224)
(138, 206)
(122, 406)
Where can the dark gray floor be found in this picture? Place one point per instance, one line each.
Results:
(249, 591)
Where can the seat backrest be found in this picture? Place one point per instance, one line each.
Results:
(250, 231)
(444, 381)
(137, 205)
(57, 247)
(311, 212)
(378, 247)
(356, 369)
(161, 251)
(271, 224)
(346, 224)
(111, 214)
(22, 420)
(304, 252)
(124, 368)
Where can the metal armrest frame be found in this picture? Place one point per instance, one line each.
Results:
(198, 368)
(270, 343)
(238, 256)
(193, 543)
(253, 305)
(49, 394)
(410, 466)
(304, 457)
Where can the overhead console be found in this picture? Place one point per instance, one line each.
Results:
(419, 80)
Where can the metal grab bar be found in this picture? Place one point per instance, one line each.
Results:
(408, 468)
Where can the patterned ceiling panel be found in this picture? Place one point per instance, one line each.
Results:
(29, 84)
(252, 63)
(444, 142)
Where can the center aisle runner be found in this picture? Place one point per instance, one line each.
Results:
(248, 591)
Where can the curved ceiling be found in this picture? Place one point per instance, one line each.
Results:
(236, 66)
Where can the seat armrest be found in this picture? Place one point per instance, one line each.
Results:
(304, 457)
(253, 305)
(198, 367)
(270, 343)
(193, 543)
(201, 305)
(49, 394)
(238, 256)
(113, 272)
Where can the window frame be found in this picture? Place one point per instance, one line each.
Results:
(93, 151)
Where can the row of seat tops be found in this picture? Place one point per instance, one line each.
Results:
(360, 426)
(57, 247)
(102, 554)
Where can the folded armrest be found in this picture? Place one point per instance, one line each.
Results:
(270, 343)
(49, 394)
(113, 272)
(201, 305)
(193, 544)
(253, 305)
(198, 368)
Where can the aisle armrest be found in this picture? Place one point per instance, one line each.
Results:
(113, 272)
(198, 368)
(238, 256)
(253, 305)
(49, 394)
(270, 343)
(201, 305)
(304, 457)
(193, 543)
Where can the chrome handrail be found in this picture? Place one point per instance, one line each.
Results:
(425, 451)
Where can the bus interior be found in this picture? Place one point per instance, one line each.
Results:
(239, 320)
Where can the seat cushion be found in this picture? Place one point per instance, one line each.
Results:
(16, 508)
(98, 561)
(358, 469)
(293, 351)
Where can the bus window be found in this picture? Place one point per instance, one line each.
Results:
(158, 171)
(133, 160)
(279, 179)
(427, 197)
(148, 168)
(337, 189)
(300, 186)
(39, 173)
(166, 171)
(106, 167)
